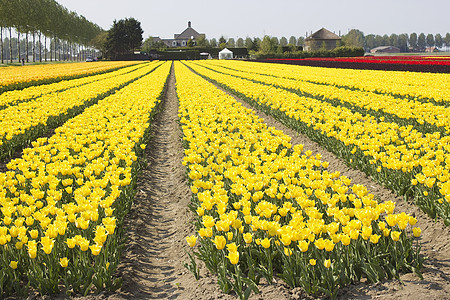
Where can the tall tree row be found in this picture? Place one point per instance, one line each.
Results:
(43, 23)
(407, 43)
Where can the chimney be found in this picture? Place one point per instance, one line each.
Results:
(189, 24)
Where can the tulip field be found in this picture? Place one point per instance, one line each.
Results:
(74, 141)
(62, 202)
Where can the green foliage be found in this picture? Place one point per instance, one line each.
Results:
(354, 38)
(343, 51)
(48, 17)
(202, 41)
(124, 36)
(152, 43)
(252, 44)
(268, 45)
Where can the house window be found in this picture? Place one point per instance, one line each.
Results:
(174, 43)
(183, 43)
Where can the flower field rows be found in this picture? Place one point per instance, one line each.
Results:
(425, 116)
(63, 202)
(409, 85)
(413, 60)
(265, 207)
(17, 96)
(404, 159)
(12, 78)
(434, 64)
(22, 123)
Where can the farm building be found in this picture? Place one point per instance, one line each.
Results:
(322, 38)
(226, 54)
(181, 39)
(385, 49)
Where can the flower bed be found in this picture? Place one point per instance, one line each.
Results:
(266, 208)
(432, 66)
(63, 202)
(407, 161)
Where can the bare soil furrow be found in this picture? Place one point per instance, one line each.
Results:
(158, 222)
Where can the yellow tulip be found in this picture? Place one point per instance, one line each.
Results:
(248, 237)
(64, 262)
(303, 245)
(220, 242)
(395, 235)
(95, 249)
(265, 243)
(233, 257)
(13, 264)
(191, 240)
(417, 231)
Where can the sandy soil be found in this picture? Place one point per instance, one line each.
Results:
(153, 261)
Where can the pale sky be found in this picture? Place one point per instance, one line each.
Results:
(239, 18)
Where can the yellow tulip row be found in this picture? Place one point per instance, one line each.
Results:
(398, 156)
(378, 104)
(36, 74)
(264, 202)
(407, 84)
(18, 122)
(63, 202)
(17, 96)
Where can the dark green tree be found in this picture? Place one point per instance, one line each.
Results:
(124, 36)
(447, 40)
(268, 45)
(354, 38)
(403, 42)
(430, 40)
(240, 43)
(202, 42)
(293, 40)
(369, 42)
(248, 42)
(385, 40)
(275, 41)
(283, 41)
(393, 40)
(252, 44)
(413, 41)
(438, 40)
(421, 42)
(379, 41)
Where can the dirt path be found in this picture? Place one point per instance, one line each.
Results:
(152, 264)
(159, 219)
(435, 239)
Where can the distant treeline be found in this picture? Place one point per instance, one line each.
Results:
(354, 38)
(405, 42)
(34, 22)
